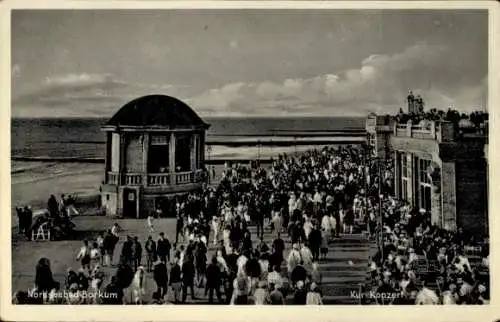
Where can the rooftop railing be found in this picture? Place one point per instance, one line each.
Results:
(442, 131)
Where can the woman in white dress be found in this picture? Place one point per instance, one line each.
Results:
(225, 238)
(215, 228)
(308, 226)
(277, 222)
(138, 285)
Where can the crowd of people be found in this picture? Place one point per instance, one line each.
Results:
(476, 120)
(423, 264)
(306, 201)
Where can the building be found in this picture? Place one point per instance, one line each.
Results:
(154, 149)
(443, 168)
(379, 129)
(415, 104)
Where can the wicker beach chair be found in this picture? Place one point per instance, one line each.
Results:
(42, 233)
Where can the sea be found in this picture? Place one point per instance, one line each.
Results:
(82, 138)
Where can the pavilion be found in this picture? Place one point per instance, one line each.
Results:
(155, 148)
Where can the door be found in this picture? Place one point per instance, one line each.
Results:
(129, 203)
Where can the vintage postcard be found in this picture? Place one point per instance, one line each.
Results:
(228, 154)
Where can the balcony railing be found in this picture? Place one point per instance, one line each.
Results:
(184, 177)
(133, 179)
(160, 179)
(113, 178)
(154, 179)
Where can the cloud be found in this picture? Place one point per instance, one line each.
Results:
(83, 94)
(379, 84)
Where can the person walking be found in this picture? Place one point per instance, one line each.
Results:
(179, 227)
(163, 248)
(160, 276)
(300, 296)
(151, 257)
(214, 280)
(175, 280)
(151, 223)
(314, 296)
(84, 255)
(28, 216)
(188, 275)
(109, 246)
(136, 253)
(126, 255)
(21, 217)
(314, 241)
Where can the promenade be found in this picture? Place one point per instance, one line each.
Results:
(340, 277)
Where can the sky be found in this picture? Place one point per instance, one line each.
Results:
(88, 63)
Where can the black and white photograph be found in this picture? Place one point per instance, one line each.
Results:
(293, 157)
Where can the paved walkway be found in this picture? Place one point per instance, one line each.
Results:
(340, 277)
(343, 270)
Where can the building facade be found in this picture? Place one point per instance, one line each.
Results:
(154, 149)
(379, 129)
(439, 169)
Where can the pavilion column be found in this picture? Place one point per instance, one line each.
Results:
(121, 168)
(145, 152)
(171, 155)
(193, 154)
(109, 155)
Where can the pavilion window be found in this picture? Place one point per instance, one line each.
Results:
(159, 154)
(183, 153)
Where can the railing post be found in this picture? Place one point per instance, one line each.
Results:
(409, 126)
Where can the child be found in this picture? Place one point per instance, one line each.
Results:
(150, 224)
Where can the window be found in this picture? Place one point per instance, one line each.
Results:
(423, 166)
(159, 154)
(425, 185)
(183, 153)
(107, 197)
(405, 178)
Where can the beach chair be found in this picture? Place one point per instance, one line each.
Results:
(42, 233)
(472, 251)
(422, 266)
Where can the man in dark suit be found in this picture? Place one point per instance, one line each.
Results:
(214, 280)
(163, 248)
(160, 275)
(150, 247)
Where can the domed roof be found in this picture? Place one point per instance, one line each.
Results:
(156, 110)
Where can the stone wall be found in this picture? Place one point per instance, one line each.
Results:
(472, 201)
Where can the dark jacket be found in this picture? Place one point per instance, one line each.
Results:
(163, 246)
(160, 274)
(213, 274)
(136, 250)
(299, 273)
(300, 297)
(188, 271)
(150, 246)
(315, 239)
(175, 273)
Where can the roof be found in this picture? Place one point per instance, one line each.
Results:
(156, 110)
